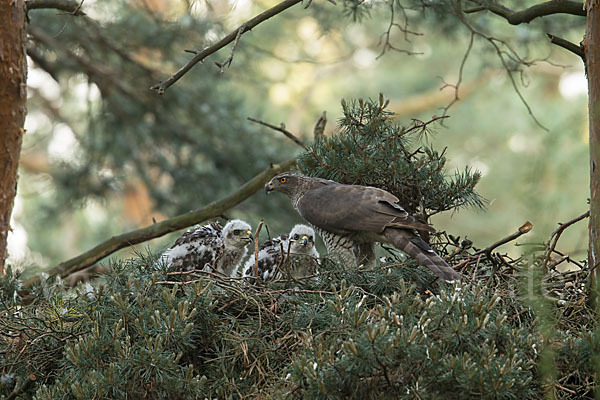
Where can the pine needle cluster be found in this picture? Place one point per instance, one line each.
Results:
(142, 332)
(370, 148)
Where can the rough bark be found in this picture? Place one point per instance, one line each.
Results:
(592, 49)
(13, 97)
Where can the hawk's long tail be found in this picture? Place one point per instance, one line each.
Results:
(416, 247)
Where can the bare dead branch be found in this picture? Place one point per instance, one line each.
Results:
(127, 239)
(70, 6)
(228, 60)
(505, 53)
(319, 129)
(245, 27)
(22, 387)
(260, 225)
(553, 241)
(529, 14)
(385, 37)
(487, 252)
(523, 229)
(565, 44)
(281, 129)
(461, 70)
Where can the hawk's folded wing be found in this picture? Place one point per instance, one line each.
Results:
(348, 208)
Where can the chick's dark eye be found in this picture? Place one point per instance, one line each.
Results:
(283, 180)
(296, 236)
(236, 231)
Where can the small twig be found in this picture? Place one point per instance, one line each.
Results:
(461, 71)
(556, 263)
(523, 229)
(260, 224)
(281, 129)
(200, 56)
(423, 126)
(564, 389)
(553, 241)
(22, 388)
(569, 259)
(504, 56)
(565, 44)
(319, 129)
(229, 59)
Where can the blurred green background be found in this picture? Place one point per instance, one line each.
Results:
(103, 155)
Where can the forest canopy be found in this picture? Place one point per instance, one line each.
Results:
(147, 117)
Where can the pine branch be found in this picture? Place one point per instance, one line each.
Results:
(127, 239)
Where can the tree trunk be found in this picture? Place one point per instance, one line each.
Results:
(13, 98)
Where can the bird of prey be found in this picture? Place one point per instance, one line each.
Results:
(295, 253)
(351, 219)
(210, 247)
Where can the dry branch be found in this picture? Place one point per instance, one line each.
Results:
(529, 14)
(523, 229)
(127, 239)
(506, 54)
(70, 6)
(256, 235)
(553, 241)
(319, 129)
(281, 129)
(565, 44)
(232, 37)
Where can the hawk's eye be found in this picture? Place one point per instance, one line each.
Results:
(296, 236)
(236, 231)
(283, 180)
(310, 238)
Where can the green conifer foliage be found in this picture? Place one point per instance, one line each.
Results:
(141, 332)
(369, 148)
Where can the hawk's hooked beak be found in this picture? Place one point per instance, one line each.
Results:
(247, 238)
(304, 240)
(269, 187)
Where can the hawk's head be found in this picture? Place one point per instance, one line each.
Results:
(286, 183)
(302, 239)
(237, 233)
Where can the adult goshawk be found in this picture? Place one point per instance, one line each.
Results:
(351, 219)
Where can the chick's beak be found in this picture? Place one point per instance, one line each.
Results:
(304, 240)
(269, 187)
(248, 237)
